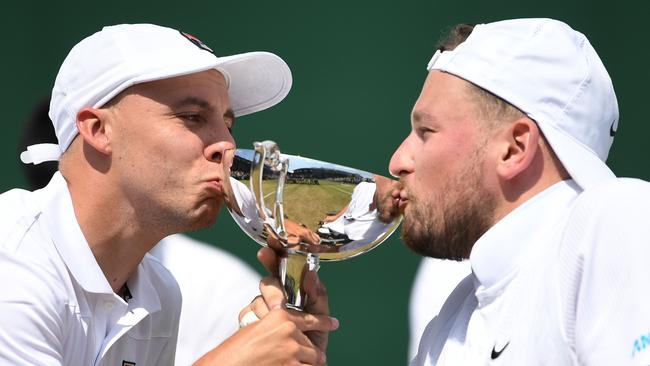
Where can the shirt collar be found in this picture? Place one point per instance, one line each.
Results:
(57, 213)
(143, 290)
(496, 253)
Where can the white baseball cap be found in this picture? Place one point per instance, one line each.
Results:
(553, 74)
(117, 57)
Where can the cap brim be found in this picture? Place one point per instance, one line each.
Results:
(582, 164)
(256, 80)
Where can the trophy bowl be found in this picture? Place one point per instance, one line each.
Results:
(307, 210)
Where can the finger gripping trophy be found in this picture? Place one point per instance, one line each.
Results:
(307, 210)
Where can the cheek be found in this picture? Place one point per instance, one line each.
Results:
(425, 181)
(432, 162)
(176, 146)
(436, 165)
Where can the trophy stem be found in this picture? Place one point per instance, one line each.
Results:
(293, 266)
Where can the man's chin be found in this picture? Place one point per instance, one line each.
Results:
(428, 251)
(414, 246)
(205, 216)
(413, 238)
(425, 243)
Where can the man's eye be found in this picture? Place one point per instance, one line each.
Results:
(424, 131)
(192, 117)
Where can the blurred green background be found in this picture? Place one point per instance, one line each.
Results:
(358, 66)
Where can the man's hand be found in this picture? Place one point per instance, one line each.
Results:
(277, 339)
(281, 336)
(273, 298)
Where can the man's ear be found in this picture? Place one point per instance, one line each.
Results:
(519, 148)
(93, 127)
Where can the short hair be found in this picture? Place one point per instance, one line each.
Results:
(492, 107)
(455, 36)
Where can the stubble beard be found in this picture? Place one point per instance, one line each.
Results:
(174, 218)
(447, 225)
(200, 219)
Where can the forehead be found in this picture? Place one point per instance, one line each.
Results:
(209, 85)
(443, 95)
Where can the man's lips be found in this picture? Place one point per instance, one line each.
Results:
(401, 204)
(215, 186)
(400, 199)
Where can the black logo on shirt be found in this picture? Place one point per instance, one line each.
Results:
(495, 354)
(128, 363)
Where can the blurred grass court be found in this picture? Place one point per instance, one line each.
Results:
(304, 202)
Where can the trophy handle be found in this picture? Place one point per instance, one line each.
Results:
(278, 211)
(263, 151)
(257, 172)
(293, 267)
(293, 264)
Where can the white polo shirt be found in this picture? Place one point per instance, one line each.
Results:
(561, 280)
(56, 306)
(434, 280)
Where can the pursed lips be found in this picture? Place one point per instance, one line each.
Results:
(400, 198)
(214, 185)
(401, 204)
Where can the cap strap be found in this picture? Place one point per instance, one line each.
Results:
(439, 59)
(39, 153)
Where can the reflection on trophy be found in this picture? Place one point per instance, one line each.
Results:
(308, 210)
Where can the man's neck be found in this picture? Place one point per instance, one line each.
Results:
(523, 193)
(115, 236)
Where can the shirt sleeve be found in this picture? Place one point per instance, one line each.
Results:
(31, 330)
(605, 272)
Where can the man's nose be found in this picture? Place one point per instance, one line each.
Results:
(215, 151)
(401, 163)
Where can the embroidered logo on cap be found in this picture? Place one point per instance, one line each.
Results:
(197, 42)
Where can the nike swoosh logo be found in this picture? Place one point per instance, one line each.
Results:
(612, 131)
(495, 354)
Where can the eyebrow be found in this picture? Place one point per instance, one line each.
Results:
(420, 116)
(192, 101)
(204, 104)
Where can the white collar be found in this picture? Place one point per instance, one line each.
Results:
(496, 253)
(57, 213)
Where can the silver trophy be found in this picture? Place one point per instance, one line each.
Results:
(308, 210)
